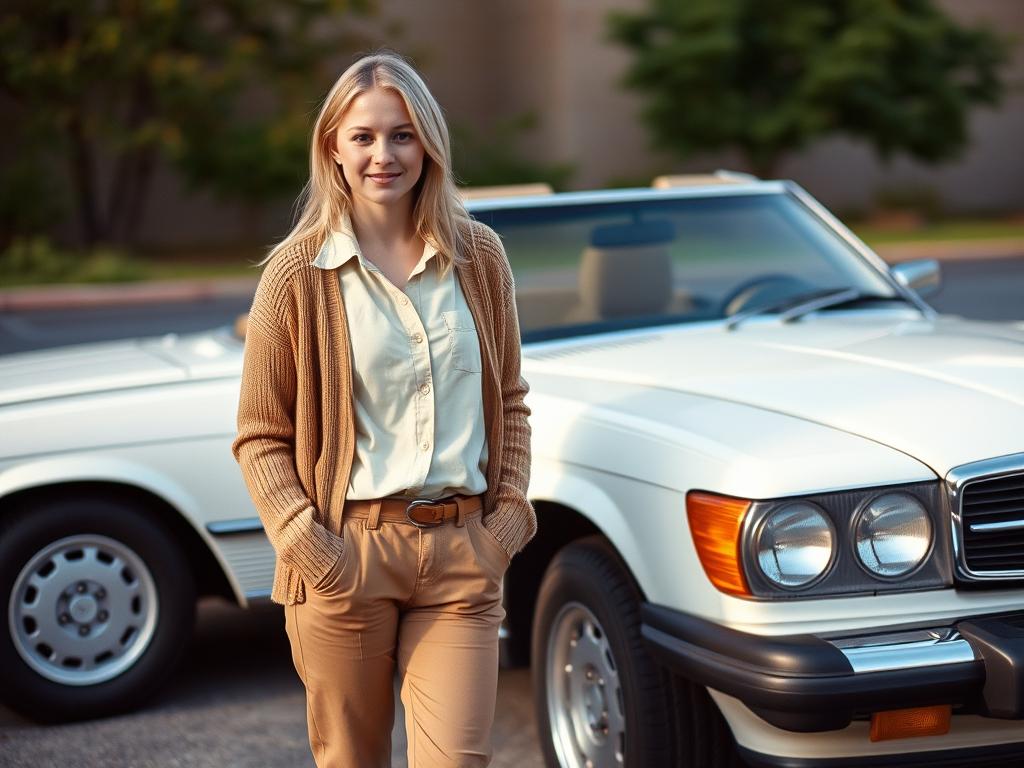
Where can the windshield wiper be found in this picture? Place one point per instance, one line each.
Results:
(834, 301)
(799, 305)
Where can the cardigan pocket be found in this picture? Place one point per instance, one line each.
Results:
(464, 341)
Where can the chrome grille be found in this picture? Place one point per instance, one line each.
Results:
(993, 520)
(988, 517)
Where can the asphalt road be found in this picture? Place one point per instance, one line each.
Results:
(236, 702)
(989, 289)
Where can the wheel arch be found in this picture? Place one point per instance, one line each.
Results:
(209, 574)
(558, 524)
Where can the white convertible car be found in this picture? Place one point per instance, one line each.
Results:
(780, 499)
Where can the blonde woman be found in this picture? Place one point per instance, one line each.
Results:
(382, 431)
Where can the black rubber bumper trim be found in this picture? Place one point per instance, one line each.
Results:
(797, 682)
(999, 641)
(975, 757)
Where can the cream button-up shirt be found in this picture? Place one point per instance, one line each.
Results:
(416, 375)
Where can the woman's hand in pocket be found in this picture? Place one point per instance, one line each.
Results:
(330, 579)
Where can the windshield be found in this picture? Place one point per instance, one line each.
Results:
(602, 266)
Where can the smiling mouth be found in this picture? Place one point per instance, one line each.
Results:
(383, 178)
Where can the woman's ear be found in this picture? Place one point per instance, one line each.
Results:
(330, 144)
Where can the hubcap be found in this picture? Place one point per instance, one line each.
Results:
(83, 609)
(585, 708)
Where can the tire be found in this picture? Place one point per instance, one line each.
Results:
(604, 701)
(99, 606)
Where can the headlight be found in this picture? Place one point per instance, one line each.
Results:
(893, 535)
(794, 544)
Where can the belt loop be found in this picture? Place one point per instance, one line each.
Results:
(373, 521)
(460, 517)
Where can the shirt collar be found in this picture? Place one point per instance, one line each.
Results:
(341, 245)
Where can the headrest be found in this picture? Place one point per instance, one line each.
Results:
(654, 232)
(626, 270)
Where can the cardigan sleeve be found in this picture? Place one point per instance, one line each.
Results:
(264, 446)
(513, 520)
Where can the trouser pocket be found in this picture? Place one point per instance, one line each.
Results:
(488, 549)
(337, 579)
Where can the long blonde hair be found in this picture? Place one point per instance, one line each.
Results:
(439, 213)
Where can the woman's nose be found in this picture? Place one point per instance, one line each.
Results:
(383, 153)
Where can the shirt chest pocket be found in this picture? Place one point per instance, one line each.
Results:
(464, 342)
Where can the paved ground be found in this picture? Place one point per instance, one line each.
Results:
(990, 289)
(237, 702)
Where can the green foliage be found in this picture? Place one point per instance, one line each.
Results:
(29, 200)
(31, 260)
(220, 89)
(494, 159)
(770, 76)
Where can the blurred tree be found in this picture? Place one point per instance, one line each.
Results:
(767, 77)
(111, 86)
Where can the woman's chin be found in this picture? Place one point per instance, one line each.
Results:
(383, 195)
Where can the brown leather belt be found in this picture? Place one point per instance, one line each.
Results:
(423, 513)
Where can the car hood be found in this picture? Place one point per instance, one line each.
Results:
(945, 391)
(82, 369)
(111, 365)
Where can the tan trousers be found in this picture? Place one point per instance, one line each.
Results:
(428, 599)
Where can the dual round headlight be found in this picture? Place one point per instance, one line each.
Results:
(795, 544)
(892, 535)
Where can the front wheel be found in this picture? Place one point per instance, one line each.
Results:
(599, 698)
(99, 605)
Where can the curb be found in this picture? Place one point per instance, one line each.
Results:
(120, 294)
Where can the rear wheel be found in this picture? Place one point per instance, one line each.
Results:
(100, 604)
(599, 698)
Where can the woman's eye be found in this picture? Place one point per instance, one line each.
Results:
(361, 137)
(403, 136)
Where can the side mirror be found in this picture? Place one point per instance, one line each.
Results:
(924, 276)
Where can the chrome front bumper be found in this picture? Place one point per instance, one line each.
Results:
(905, 650)
(807, 683)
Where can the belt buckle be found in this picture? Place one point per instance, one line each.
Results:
(421, 503)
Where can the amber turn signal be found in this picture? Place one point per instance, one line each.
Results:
(905, 723)
(715, 524)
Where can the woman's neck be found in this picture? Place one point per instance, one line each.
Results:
(383, 224)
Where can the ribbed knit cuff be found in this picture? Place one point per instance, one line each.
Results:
(315, 555)
(512, 525)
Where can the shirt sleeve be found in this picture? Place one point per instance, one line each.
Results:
(513, 520)
(265, 446)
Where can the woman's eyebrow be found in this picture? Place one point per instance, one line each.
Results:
(365, 128)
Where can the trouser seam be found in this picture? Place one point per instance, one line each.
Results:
(415, 729)
(302, 661)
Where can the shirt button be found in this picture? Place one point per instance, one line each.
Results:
(425, 389)
(425, 446)
(405, 300)
(418, 337)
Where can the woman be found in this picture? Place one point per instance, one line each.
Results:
(382, 431)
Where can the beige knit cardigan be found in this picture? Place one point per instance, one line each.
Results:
(296, 436)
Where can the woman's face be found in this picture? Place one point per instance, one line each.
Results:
(378, 149)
